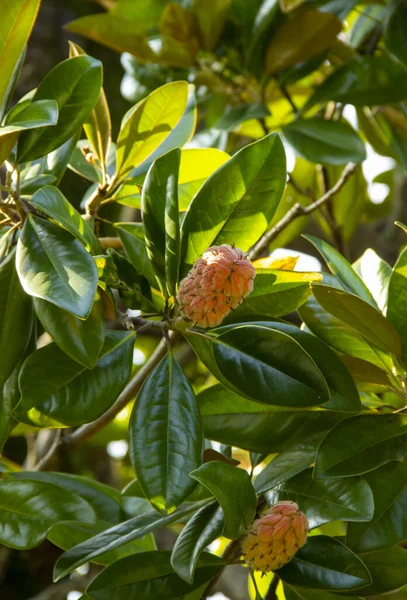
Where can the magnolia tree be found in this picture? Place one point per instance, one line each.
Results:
(267, 423)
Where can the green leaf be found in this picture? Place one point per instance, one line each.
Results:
(340, 267)
(148, 125)
(16, 318)
(75, 84)
(371, 441)
(365, 80)
(236, 421)
(236, 204)
(132, 237)
(42, 113)
(286, 465)
(396, 308)
(233, 490)
(18, 17)
(80, 339)
(349, 499)
(276, 293)
(237, 115)
(375, 273)
(54, 204)
(159, 204)
(300, 593)
(30, 508)
(166, 420)
(394, 37)
(104, 499)
(203, 528)
(388, 569)
(211, 16)
(270, 366)
(54, 266)
(12, 82)
(325, 142)
(117, 536)
(150, 576)
(61, 381)
(364, 372)
(349, 204)
(308, 33)
(98, 127)
(326, 564)
(388, 527)
(341, 337)
(360, 315)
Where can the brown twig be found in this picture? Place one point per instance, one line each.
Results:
(272, 591)
(299, 211)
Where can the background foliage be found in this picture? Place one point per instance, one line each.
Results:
(160, 129)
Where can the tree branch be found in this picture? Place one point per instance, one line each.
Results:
(299, 211)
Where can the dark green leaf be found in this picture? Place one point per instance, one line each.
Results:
(54, 266)
(239, 114)
(150, 576)
(68, 392)
(286, 465)
(166, 420)
(115, 537)
(394, 34)
(388, 569)
(325, 142)
(132, 237)
(159, 203)
(365, 80)
(358, 314)
(270, 366)
(16, 318)
(299, 593)
(75, 84)
(344, 272)
(203, 528)
(54, 204)
(371, 441)
(236, 204)
(80, 339)
(396, 308)
(388, 526)
(233, 490)
(349, 499)
(30, 508)
(326, 564)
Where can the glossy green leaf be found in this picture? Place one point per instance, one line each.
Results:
(364, 372)
(300, 593)
(349, 204)
(308, 33)
(325, 142)
(150, 576)
(367, 320)
(117, 536)
(75, 84)
(396, 312)
(149, 124)
(388, 526)
(104, 499)
(236, 421)
(371, 441)
(388, 569)
(61, 382)
(54, 204)
(18, 17)
(270, 366)
(394, 37)
(326, 564)
(80, 339)
(375, 273)
(286, 465)
(166, 420)
(159, 204)
(30, 508)
(237, 115)
(211, 16)
(132, 237)
(276, 293)
(98, 127)
(42, 113)
(11, 84)
(236, 204)
(233, 490)
(365, 80)
(327, 500)
(341, 337)
(16, 318)
(340, 267)
(202, 529)
(54, 266)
